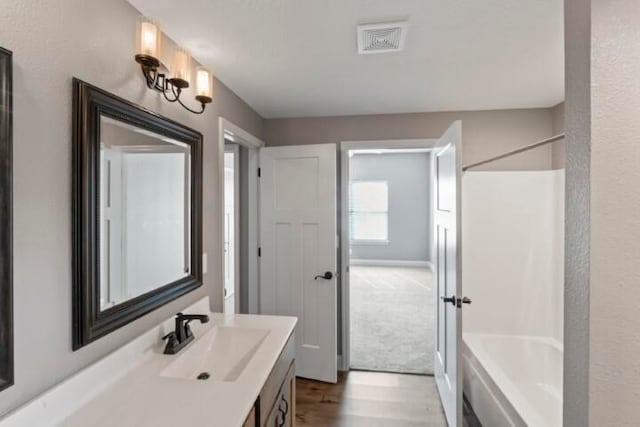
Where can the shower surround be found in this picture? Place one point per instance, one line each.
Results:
(513, 268)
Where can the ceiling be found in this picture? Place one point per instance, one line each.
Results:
(298, 58)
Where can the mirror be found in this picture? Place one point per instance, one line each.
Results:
(144, 211)
(137, 212)
(6, 250)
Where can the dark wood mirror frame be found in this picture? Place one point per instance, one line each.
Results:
(89, 322)
(6, 264)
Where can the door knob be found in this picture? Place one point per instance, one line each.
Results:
(452, 300)
(466, 300)
(326, 276)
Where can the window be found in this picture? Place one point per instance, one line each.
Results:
(368, 211)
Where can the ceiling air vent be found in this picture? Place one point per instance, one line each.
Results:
(381, 38)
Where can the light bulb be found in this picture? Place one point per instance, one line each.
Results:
(149, 39)
(181, 67)
(204, 85)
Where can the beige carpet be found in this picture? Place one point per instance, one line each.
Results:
(392, 319)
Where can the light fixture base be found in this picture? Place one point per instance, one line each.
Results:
(179, 83)
(148, 61)
(203, 99)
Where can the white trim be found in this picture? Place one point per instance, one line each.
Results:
(253, 188)
(340, 365)
(392, 263)
(345, 249)
(371, 242)
(388, 144)
(391, 150)
(345, 243)
(240, 135)
(253, 143)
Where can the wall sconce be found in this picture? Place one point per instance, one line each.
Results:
(148, 48)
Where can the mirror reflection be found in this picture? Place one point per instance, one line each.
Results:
(144, 211)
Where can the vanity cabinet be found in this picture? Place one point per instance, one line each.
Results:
(275, 406)
(283, 412)
(251, 418)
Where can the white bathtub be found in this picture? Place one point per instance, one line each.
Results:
(513, 380)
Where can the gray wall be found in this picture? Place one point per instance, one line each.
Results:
(602, 381)
(484, 133)
(52, 42)
(408, 180)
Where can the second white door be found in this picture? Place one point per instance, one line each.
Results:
(231, 229)
(448, 348)
(298, 250)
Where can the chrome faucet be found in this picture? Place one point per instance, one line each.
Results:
(178, 339)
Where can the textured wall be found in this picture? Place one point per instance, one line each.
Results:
(484, 133)
(614, 341)
(408, 178)
(94, 41)
(577, 210)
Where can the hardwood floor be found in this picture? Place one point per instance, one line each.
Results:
(369, 399)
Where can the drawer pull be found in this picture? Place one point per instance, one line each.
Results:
(282, 420)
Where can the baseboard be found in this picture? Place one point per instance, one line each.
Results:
(392, 263)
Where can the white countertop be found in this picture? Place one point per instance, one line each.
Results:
(125, 389)
(144, 398)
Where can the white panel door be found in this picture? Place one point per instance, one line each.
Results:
(448, 266)
(231, 266)
(298, 248)
(112, 285)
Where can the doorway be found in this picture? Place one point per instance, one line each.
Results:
(231, 227)
(298, 230)
(238, 226)
(444, 221)
(388, 287)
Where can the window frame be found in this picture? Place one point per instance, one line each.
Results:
(351, 211)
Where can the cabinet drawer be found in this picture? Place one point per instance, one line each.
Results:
(282, 414)
(274, 419)
(277, 376)
(288, 398)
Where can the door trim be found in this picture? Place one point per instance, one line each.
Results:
(344, 360)
(253, 143)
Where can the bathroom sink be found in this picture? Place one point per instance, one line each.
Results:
(221, 354)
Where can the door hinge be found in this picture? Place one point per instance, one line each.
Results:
(259, 172)
(259, 251)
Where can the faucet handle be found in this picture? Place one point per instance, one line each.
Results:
(187, 329)
(172, 342)
(170, 337)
